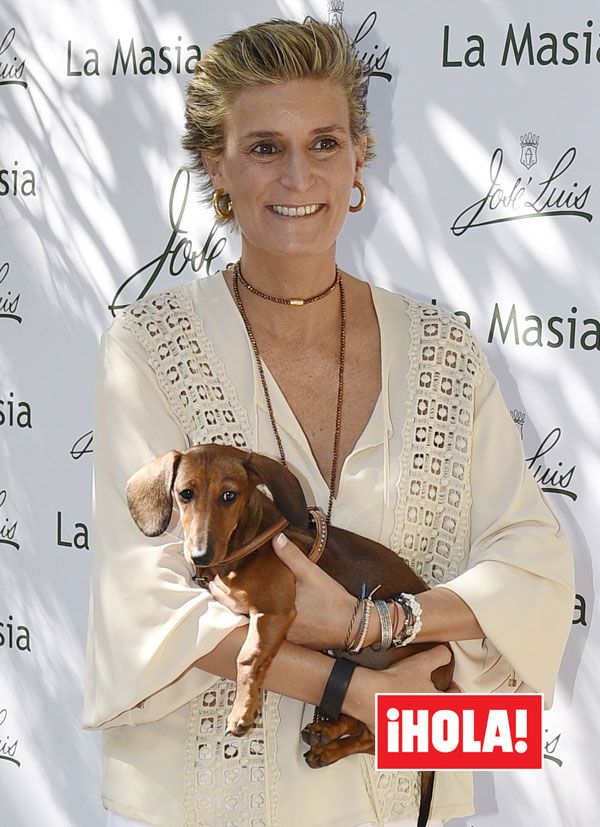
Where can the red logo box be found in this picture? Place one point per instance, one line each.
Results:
(458, 732)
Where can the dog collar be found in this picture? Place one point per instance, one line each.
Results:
(315, 553)
(320, 536)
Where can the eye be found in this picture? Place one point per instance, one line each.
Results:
(229, 496)
(186, 495)
(264, 149)
(326, 144)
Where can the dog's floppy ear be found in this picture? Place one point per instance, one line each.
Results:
(149, 494)
(283, 485)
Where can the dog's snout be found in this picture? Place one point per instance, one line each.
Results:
(203, 556)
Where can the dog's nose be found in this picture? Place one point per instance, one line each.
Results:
(202, 557)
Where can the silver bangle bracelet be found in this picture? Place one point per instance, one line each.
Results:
(386, 626)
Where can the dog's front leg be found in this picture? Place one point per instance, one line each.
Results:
(266, 633)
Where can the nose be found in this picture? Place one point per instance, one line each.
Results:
(298, 173)
(203, 556)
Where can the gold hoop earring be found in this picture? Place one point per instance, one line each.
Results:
(363, 197)
(216, 202)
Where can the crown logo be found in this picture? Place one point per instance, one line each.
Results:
(529, 148)
(518, 417)
(529, 139)
(336, 10)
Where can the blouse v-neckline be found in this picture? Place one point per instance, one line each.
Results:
(374, 432)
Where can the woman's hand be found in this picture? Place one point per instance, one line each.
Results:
(324, 608)
(412, 674)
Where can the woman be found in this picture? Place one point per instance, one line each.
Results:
(425, 459)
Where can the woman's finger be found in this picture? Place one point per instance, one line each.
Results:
(221, 597)
(290, 554)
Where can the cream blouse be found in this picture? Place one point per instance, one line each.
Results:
(148, 621)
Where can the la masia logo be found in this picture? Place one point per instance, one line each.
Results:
(527, 196)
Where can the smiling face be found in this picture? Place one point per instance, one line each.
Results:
(288, 165)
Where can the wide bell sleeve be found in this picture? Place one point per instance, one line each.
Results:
(148, 621)
(519, 580)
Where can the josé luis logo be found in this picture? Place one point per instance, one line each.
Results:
(177, 253)
(552, 478)
(372, 55)
(9, 304)
(8, 526)
(11, 65)
(522, 198)
(459, 731)
(82, 445)
(8, 745)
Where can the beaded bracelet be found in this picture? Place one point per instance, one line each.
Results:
(357, 643)
(364, 625)
(412, 622)
(352, 619)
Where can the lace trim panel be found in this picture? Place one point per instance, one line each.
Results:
(190, 375)
(431, 519)
(229, 782)
(431, 522)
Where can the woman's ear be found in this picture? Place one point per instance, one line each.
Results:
(361, 154)
(212, 164)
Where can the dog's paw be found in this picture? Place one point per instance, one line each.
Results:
(239, 722)
(316, 733)
(237, 729)
(238, 726)
(316, 758)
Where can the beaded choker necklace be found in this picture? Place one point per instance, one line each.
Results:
(296, 302)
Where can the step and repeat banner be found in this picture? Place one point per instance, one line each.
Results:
(484, 198)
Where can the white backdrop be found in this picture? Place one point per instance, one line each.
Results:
(483, 197)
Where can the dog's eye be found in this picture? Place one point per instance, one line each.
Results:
(186, 495)
(229, 496)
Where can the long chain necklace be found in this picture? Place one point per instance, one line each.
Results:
(237, 275)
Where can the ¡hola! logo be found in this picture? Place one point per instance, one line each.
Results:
(458, 732)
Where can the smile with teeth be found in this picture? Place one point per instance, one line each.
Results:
(309, 209)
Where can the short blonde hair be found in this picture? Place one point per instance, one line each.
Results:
(267, 53)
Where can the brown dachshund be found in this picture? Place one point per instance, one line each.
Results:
(227, 524)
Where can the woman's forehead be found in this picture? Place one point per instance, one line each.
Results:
(309, 103)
